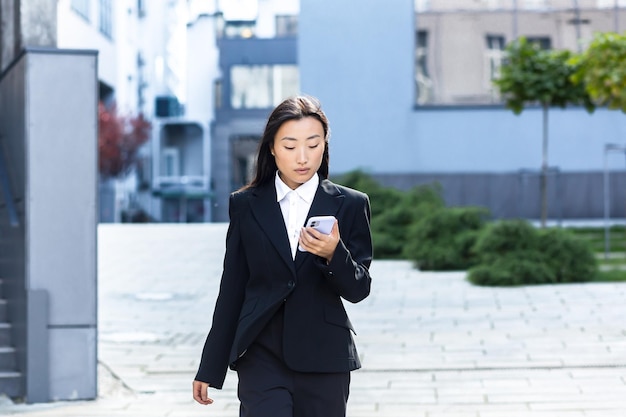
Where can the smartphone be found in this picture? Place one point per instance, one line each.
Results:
(323, 224)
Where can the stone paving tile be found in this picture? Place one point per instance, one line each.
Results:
(431, 343)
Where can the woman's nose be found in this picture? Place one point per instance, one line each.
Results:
(302, 156)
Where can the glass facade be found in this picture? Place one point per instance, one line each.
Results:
(460, 45)
(262, 86)
(286, 25)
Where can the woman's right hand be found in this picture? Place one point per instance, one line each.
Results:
(201, 392)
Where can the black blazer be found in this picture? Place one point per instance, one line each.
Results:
(260, 276)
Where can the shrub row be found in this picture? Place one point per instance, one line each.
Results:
(416, 225)
(513, 252)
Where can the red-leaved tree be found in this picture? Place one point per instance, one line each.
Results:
(119, 139)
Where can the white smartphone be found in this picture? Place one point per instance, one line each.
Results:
(323, 224)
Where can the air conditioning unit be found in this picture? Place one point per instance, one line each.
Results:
(167, 106)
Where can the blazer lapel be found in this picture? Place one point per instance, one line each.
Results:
(267, 212)
(327, 201)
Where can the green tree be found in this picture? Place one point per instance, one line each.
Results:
(531, 75)
(601, 68)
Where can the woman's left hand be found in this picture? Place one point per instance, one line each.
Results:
(318, 243)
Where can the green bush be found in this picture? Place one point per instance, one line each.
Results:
(381, 198)
(392, 225)
(393, 211)
(512, 270)
(571, 258)
(513, 252)
(416, 225)
(443, 239)
(503, 237)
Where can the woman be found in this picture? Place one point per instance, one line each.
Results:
(279, 320)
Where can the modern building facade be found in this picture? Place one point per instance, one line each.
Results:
(408, 87)
(481, 154)
(142, 71)
(258, 69)
(449, 32)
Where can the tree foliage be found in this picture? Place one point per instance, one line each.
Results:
(601, 68)
(119, 139)
(531, 75)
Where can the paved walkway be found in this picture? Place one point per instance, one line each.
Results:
(432, 344)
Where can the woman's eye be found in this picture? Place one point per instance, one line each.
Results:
(314, 146)
(291, 149)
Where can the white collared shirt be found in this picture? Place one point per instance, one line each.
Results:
(295, 205)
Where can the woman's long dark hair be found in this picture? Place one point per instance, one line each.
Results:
(294, 108)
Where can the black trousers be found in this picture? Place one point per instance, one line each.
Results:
(268, 388)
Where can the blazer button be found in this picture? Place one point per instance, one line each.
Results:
(291, 284)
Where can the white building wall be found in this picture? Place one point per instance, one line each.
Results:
(75, 32)
(126, 37)
(202, 68)
(268, 10)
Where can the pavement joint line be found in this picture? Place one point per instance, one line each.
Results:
(121, 380)
(492, 368)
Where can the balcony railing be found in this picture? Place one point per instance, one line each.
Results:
(185, 186)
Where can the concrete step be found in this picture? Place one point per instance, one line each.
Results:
(11, 384)
(4, 317)
(8, 362)
(5, 334)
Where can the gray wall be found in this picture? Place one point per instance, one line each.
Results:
(48, 121)
(571, 195)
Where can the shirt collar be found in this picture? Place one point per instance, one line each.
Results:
(306, 191)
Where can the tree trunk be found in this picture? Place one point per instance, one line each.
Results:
(544, 169)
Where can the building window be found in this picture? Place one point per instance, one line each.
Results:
(238, 29)
(493, 4)
(171, 162)
(286, 26)
(544, 42)
(106, 18)
(141, 8)
(81, 7)
(423, 82)
(217, 94)
(604, 4)
(141, 82)
(262, 86)
(535, 4)
(422, 5)
(243, 148)
(493, 61)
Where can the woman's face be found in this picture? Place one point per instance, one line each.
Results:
(298, 149)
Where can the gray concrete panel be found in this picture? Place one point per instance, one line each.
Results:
(62, 178)
(38, 378)
(73, 357)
